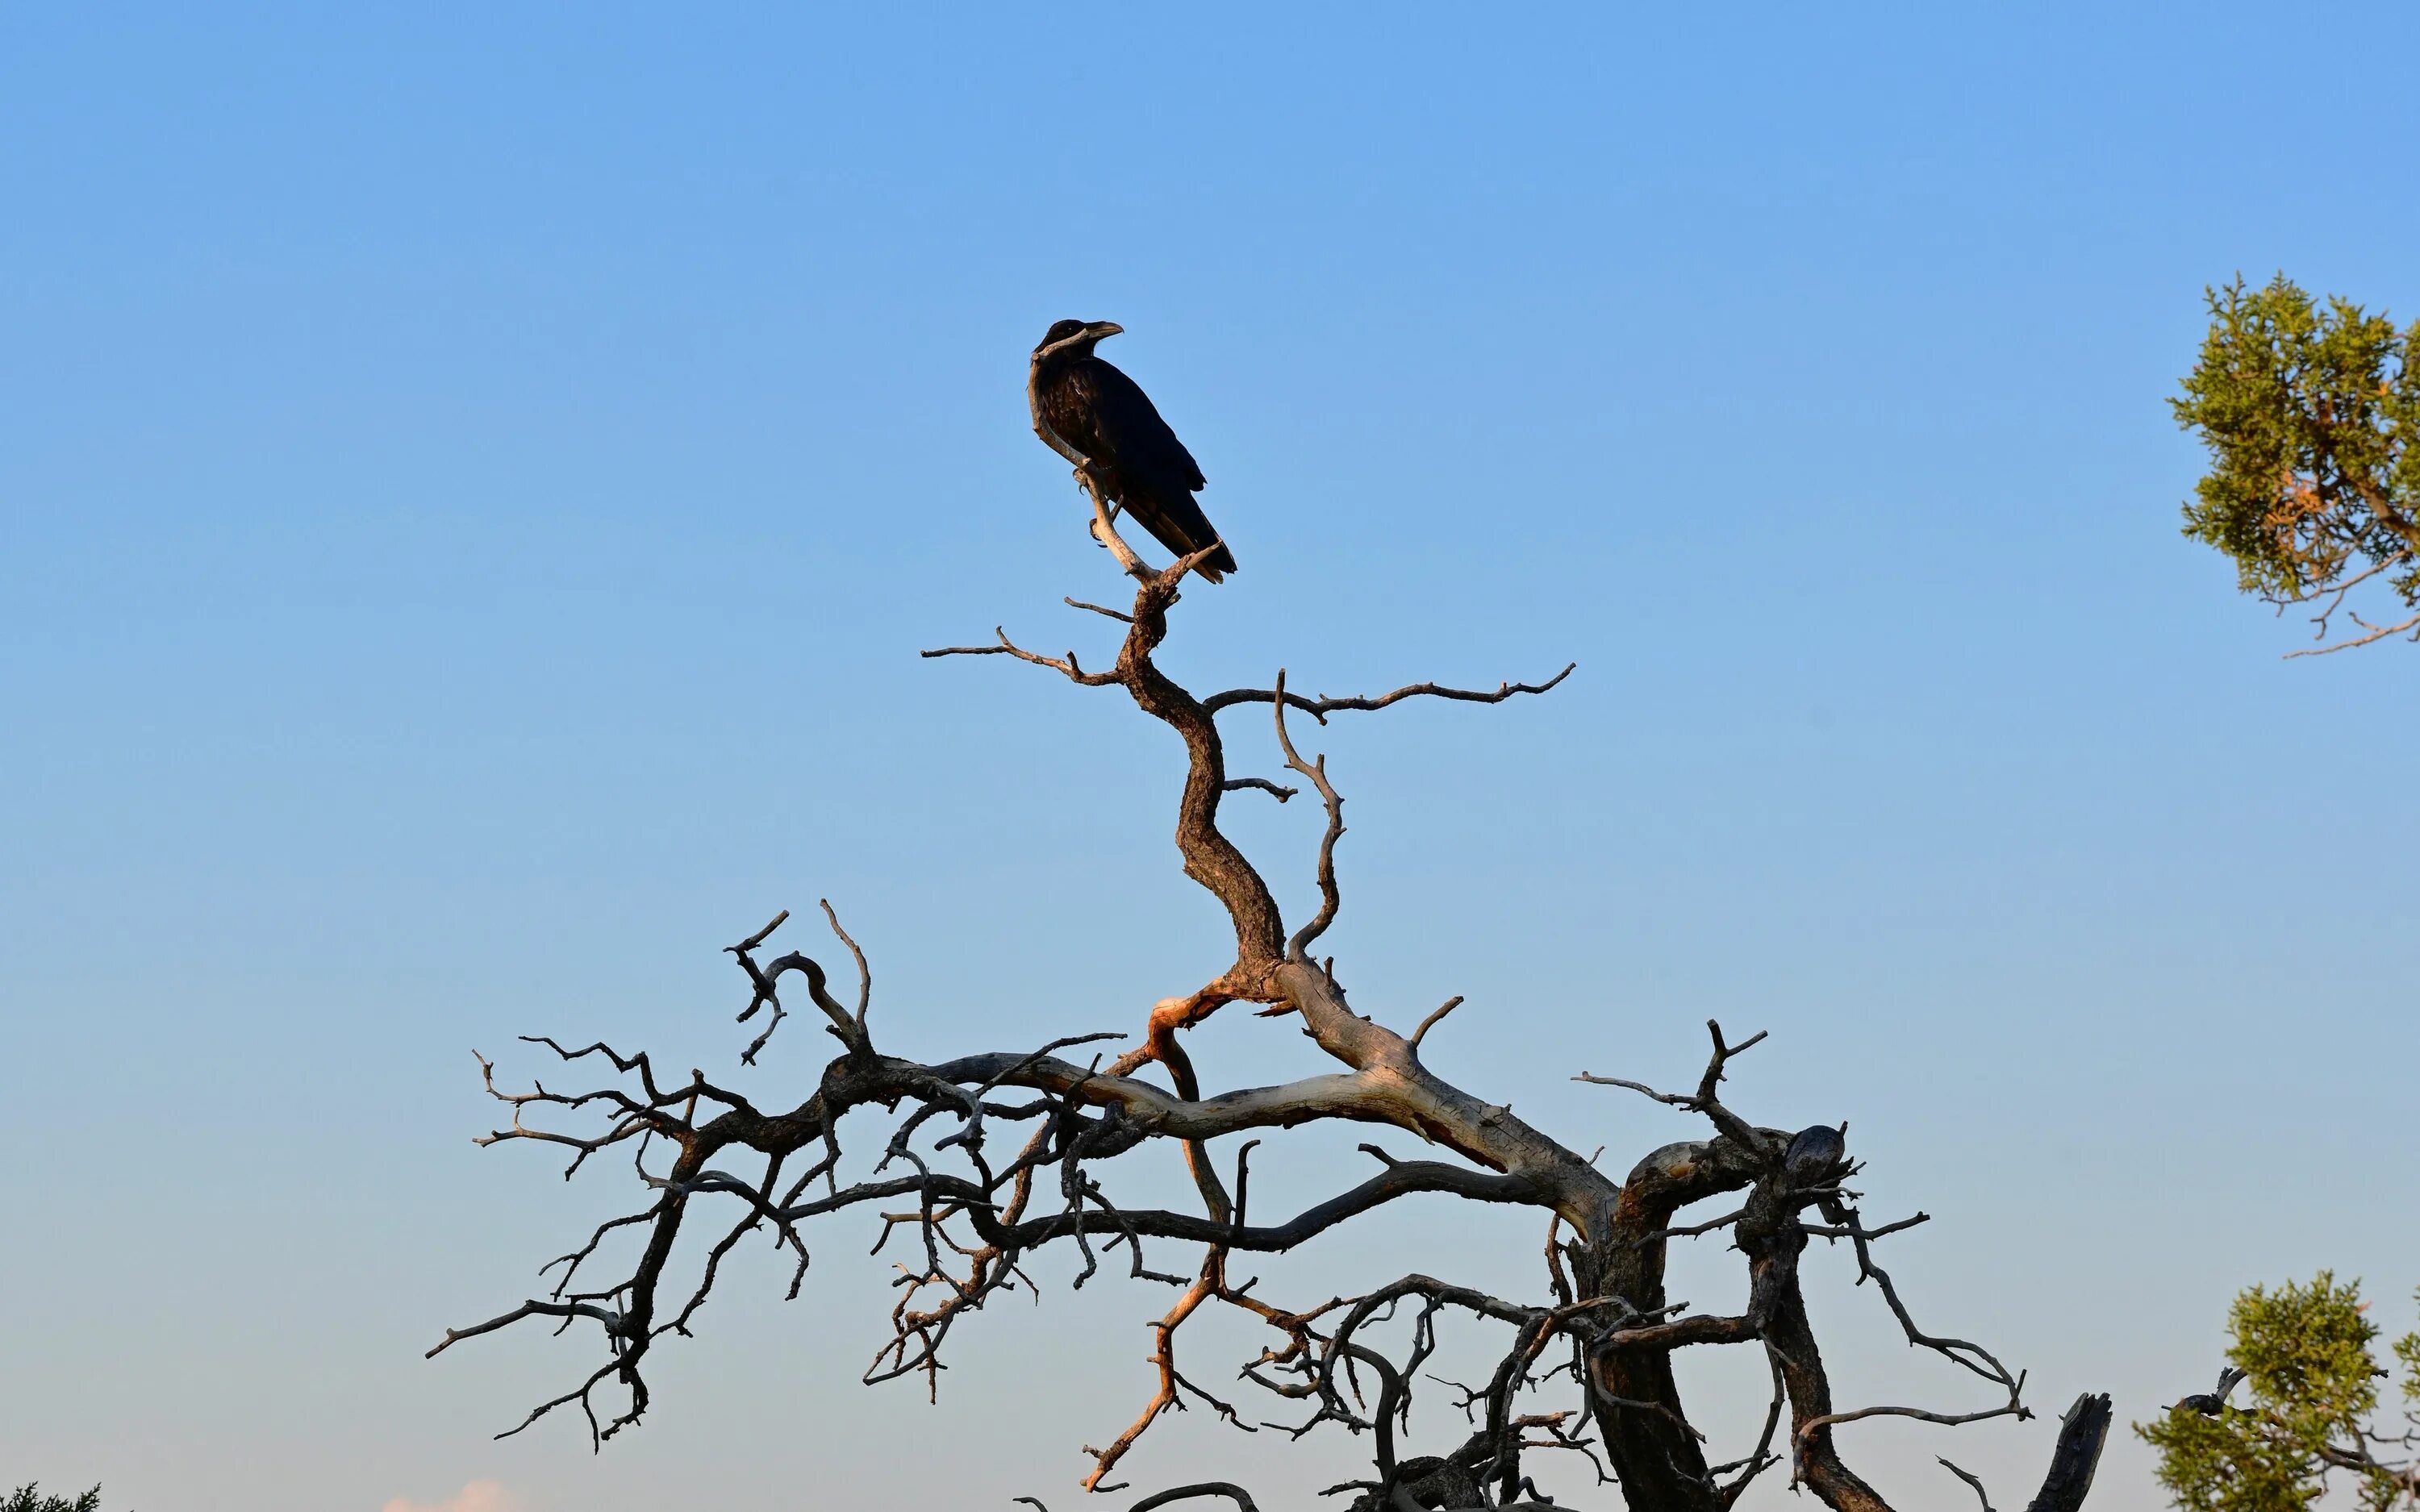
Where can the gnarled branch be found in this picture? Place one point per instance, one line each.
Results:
(995, 1157)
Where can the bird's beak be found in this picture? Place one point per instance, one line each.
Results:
(1102, 330)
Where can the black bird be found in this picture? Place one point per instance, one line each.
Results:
(1098, 418)
(1816, 1155)
(2208, 1403)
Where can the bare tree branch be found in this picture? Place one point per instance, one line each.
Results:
(1321, 707)
(1981, 1494)
(990, 1159)
(1066, 664)
(1436, 1016)
(2376, 633)
(1237, 784)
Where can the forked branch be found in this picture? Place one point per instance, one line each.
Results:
(988, 1160)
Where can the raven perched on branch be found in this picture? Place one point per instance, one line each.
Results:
(1099, 419)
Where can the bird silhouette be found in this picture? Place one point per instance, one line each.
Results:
(1101, 419)
(2208, 1403)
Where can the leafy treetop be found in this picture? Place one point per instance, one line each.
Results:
(2305, 1353)
(2312, 417)
(28, 1497)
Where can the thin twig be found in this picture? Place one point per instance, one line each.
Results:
(1435, 1015)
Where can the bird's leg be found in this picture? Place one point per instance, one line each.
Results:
(1090, 482)
(1107, 509)
(1104, 511)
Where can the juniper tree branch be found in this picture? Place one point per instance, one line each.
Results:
(2376, 633)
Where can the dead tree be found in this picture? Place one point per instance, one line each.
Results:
(993, 1157)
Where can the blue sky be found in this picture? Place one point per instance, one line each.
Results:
(472, 482)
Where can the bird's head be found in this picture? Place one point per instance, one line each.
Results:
(1077, 336)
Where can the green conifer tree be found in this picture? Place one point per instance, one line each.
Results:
(2304, 1355)
(29, 1498)
(2312, 417)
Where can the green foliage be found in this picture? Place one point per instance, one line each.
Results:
(2312, 417)
(2312, 1384)
(28, 1498)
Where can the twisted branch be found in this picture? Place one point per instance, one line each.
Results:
(970, 1214)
